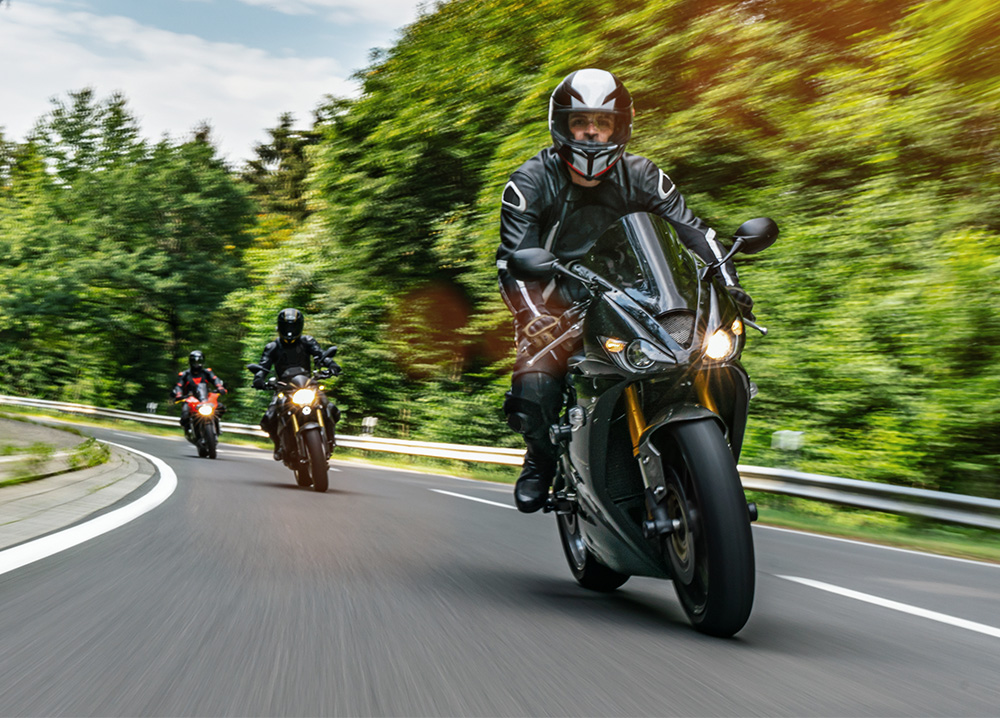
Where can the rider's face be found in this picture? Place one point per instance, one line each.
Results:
(592, 126)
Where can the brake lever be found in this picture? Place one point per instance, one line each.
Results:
(762, 330)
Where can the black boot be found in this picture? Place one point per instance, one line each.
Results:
(277, 448)
(532, 487)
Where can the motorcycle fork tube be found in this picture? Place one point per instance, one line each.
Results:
(636, 419)
(650, 466)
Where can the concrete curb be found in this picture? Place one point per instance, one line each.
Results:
(31, 509)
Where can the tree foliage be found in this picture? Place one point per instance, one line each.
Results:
(866, 128)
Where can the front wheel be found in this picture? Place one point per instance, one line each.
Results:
(316, 453)
(209, 439)
(587, 570)
(711, 553)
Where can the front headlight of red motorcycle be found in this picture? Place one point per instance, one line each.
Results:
(206, 409)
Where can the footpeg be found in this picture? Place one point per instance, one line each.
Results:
(752, 510)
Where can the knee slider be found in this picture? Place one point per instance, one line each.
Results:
(524, 417)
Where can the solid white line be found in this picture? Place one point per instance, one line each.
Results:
(896, 606)
(14, 558)
(878, 545)
(473, 498)
(131, 436)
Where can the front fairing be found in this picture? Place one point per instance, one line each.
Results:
(658, 297)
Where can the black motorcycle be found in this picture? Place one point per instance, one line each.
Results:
(302, 427)
(656, 408)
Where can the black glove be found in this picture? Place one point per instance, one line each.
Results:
(260, 381)
(334, 367)
(743, 301)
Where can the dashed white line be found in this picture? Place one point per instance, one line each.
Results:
(897, 606)
(473, 498)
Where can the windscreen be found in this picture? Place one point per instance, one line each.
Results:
(640, 254)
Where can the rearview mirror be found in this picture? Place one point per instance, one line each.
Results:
(532, 264)
(756, 235)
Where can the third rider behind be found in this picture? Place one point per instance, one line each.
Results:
(188, 379)
(562, 199)
(292, 350)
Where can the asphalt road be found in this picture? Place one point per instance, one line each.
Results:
(243, 595)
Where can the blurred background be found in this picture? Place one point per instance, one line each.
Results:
(868, 129)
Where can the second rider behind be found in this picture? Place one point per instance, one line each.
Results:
(292, 350)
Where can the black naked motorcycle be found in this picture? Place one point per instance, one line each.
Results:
(302, 426)
(656, 408)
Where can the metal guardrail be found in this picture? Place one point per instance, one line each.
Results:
(937, 505)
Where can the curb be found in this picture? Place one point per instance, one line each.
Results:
(38, 507)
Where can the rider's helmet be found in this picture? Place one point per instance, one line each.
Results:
(591, 92)
(290, 323)
(196, 360)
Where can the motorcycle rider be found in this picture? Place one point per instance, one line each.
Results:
(293, 350)
(188, 379)
(562, 199)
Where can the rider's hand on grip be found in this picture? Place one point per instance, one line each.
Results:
(259, 381)
(542, 330)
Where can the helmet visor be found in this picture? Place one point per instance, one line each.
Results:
(594, 126)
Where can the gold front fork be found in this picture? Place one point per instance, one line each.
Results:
(636, 419)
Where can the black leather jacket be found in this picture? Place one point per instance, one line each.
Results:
(188, 379)
(281, 356)
(542, 207)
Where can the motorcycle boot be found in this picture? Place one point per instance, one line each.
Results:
(531, 490)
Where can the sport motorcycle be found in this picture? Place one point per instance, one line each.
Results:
(656, 405)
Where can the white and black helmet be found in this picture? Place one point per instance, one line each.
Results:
(590, 91)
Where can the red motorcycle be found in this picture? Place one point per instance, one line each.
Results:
(203, 407)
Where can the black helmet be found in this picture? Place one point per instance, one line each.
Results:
(196, 360)
(290, 323)
(590, 91)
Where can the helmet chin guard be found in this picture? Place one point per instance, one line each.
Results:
(597, 93)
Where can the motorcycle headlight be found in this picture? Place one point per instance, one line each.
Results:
(205, 409)
(639, 354)
(304, 397)
(720, 345)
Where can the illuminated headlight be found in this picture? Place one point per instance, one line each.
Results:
(205, 410)
(720, 345)
(304, 397)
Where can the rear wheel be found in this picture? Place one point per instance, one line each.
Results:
(317, 460)
(711, 553)
(302, 477)
(587, 570)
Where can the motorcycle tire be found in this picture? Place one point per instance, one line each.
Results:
(317, 460)
(209, 440)
(587, 570)
(302, 477)
(711, 554)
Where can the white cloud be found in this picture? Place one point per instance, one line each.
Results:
(400, 12)
(172, 82)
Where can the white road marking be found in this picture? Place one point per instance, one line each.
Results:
(131, 436)
(473, 498)
(22, 555)
(881, 546)
(897, 606)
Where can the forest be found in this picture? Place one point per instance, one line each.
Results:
(868, 129)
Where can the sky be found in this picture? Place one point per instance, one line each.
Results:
(235, 64)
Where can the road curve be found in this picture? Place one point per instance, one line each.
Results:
(403, 594)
